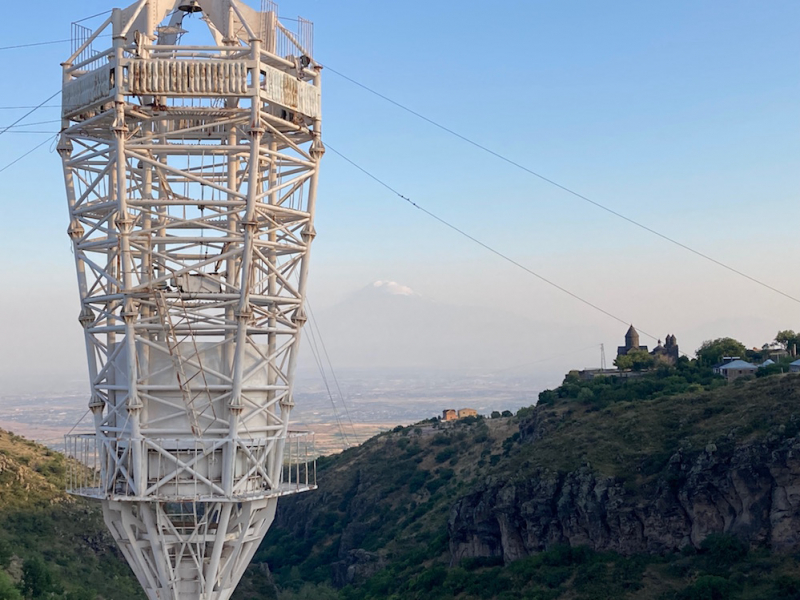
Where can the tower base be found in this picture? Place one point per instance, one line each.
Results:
(189, 550)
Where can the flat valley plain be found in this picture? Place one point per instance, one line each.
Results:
(373, 402)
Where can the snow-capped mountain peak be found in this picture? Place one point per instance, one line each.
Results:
(393, 288)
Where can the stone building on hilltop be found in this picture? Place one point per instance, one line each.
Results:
(450, 414)
(668, 353)
(631, 342)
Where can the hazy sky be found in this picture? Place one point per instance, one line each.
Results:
(682, 115)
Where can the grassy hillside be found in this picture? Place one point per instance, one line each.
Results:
(52, 545)
(30, 475)
(634, 439)
(378, 525)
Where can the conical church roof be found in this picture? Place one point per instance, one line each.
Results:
(632, 338)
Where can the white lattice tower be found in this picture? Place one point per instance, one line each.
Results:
(191, 176)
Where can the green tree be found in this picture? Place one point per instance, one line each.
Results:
(711, 352)
(5, 554)
(707, 587)
(310, 591)
(720, 551)
(7, 589)
(80, 594)
(637, 360)
(787, 338)
(545, 397)
(37, 581)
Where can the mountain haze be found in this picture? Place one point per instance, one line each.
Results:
(388, 325)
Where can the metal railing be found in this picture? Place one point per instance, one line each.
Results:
(83, 463)
(80, 35)
(188, 469)
(299, 462)
(285, 37)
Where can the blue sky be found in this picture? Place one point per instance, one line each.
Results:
(683, 115)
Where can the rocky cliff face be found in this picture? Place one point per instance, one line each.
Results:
(752, 491)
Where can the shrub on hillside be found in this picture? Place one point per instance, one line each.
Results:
(37, 580)
(708, 587)
(445, 455)
(685, 376)
(786, 588)
(7, 589)
(719, 551)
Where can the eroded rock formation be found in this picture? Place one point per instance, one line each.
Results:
(752, 491)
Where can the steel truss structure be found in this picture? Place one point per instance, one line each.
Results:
(191, 177)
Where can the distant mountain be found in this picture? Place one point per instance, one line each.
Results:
(389, 325)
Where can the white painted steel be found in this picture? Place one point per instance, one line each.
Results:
(191, 177)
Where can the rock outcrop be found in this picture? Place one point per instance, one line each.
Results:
(751, 491)
(357, 566)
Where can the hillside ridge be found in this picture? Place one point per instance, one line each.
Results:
(654, 477)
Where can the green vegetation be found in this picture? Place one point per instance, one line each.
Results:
(686, 376)
(712, 351)
(547, 575)
(788, 339)
(712, 573)
(392, 498)
(633, 439)
(52, 546)
(636, 360)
